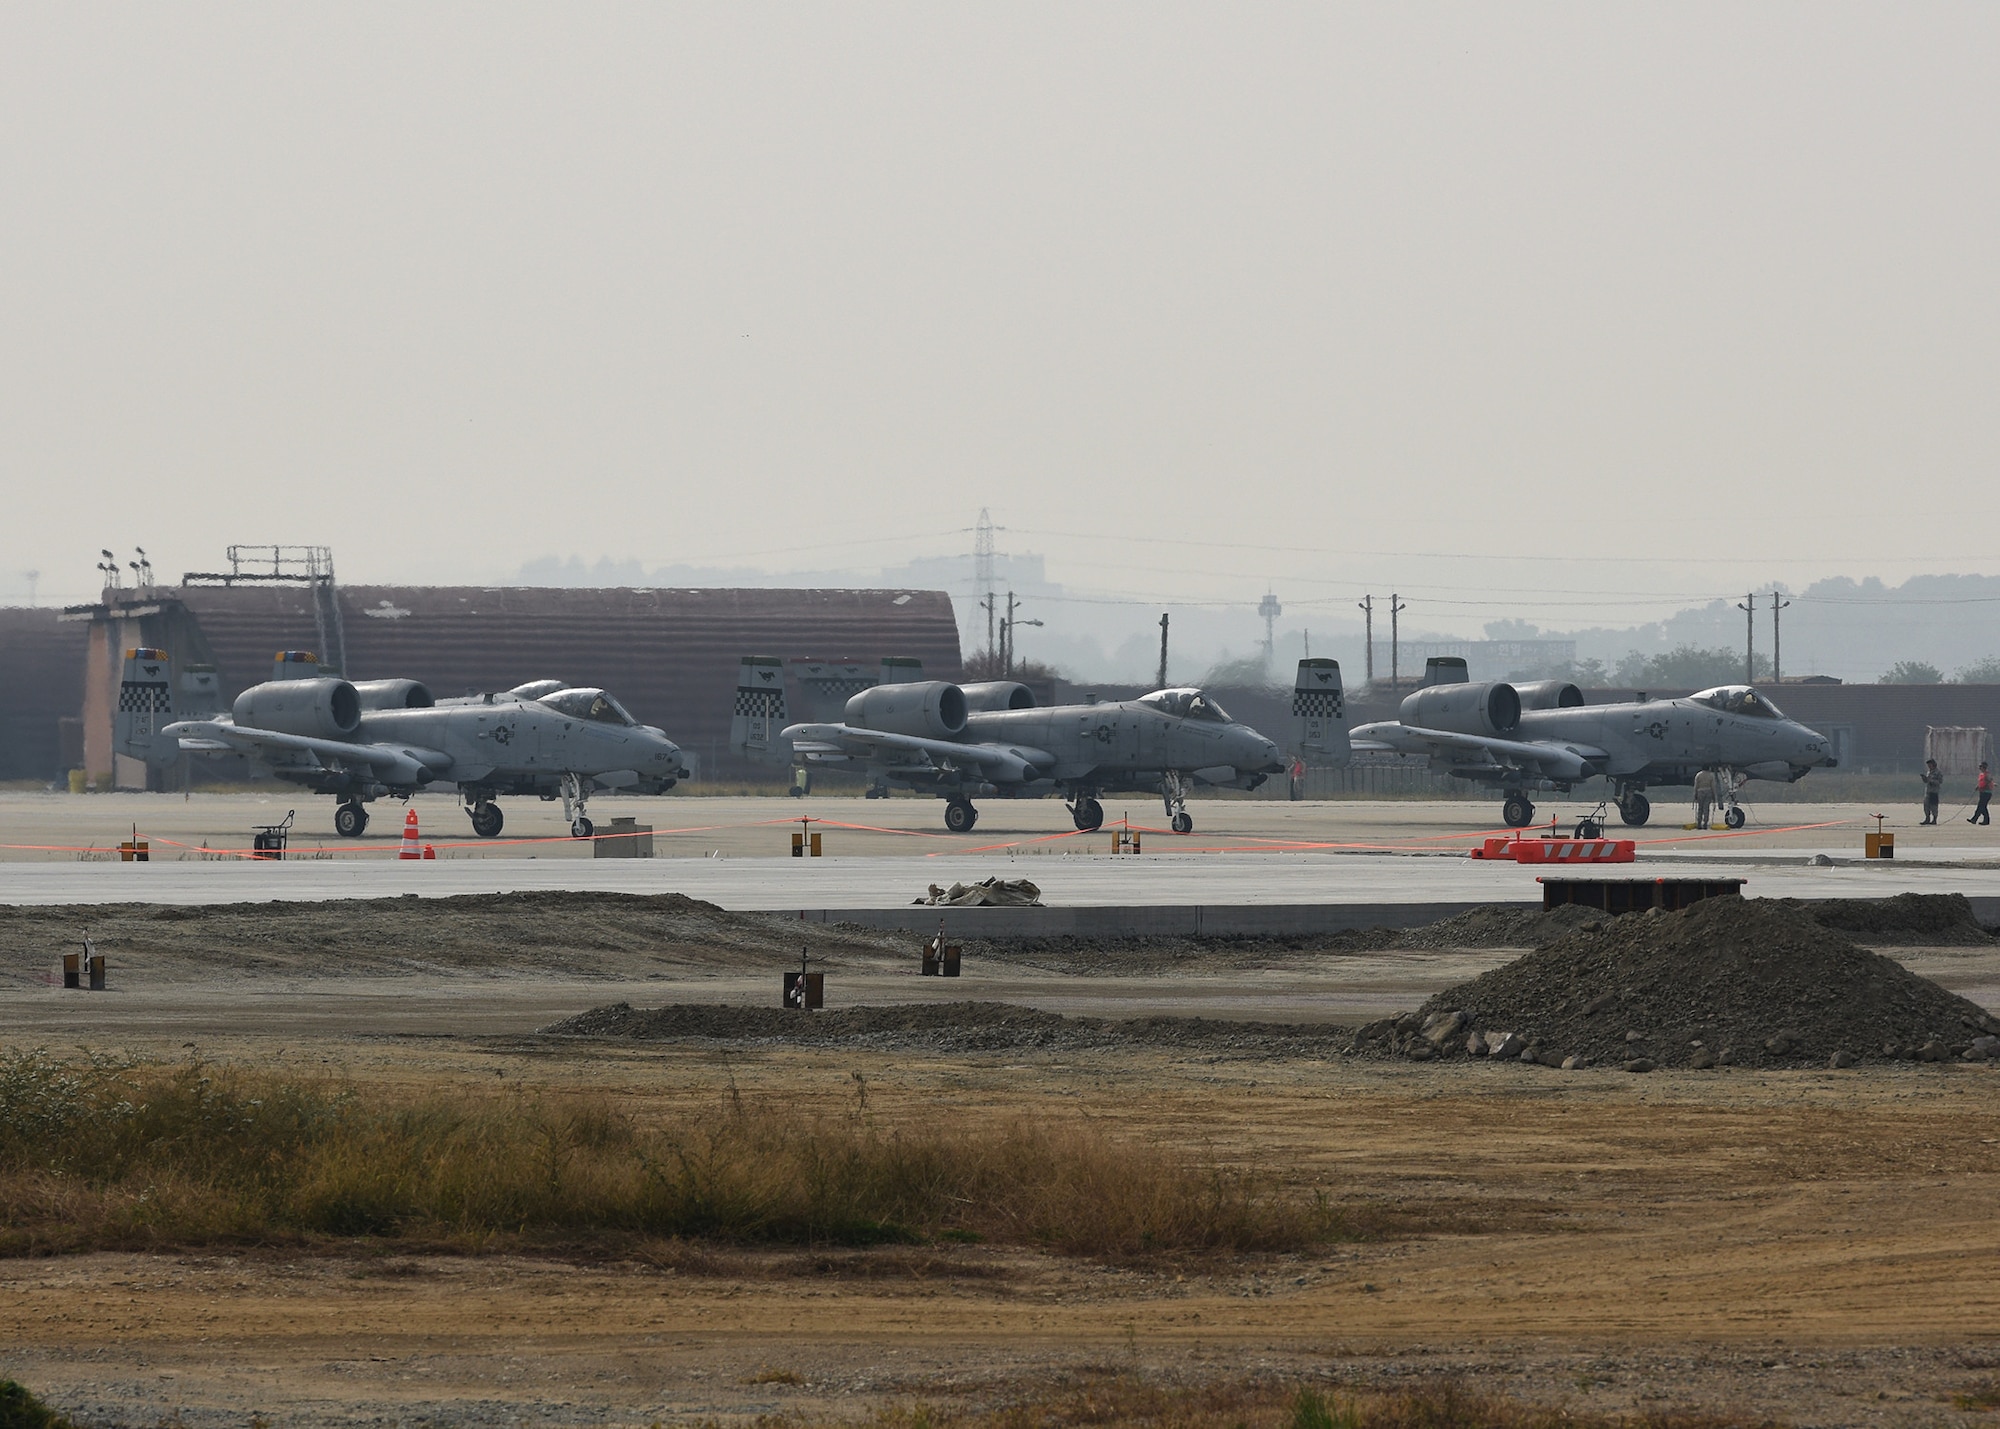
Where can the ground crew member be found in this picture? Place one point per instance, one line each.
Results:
(1704, 796)
(1980, 815)
(1933, 783)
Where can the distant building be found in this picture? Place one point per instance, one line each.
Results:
(1484, 659)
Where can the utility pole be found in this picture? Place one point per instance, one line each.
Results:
(33, 576)
(1368, 625)
(1396, 608)
(982, 571)
(1269, 608)
(1748, 605)
(1777, 670)
(1163, 650)
(1007, 628)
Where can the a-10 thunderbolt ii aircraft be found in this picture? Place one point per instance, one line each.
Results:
(1542, 736)
(364, 739)
(990, 739)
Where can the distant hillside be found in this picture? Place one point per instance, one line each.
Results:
(1853, 629)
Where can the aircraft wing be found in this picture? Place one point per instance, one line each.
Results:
(1557, 760)
(1001, 763)
(400, 763)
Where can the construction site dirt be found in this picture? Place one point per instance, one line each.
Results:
(1761, 1242)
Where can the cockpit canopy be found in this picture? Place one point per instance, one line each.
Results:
(1187, 704)
(1739, 700)
(590, 704)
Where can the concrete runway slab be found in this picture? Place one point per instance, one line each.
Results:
(790, 885)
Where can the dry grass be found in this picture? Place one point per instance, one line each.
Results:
(1130, 1400)
(97, 1154)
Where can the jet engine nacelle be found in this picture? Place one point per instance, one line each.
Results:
(393, 695)
(1489, 708)
(997, 695)
(317, 709)
(1549, 695)
(924, 709)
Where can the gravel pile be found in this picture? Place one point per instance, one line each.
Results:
(949, 1027)
(1753, 982)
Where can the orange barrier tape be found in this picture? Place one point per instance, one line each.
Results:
(1746, 833)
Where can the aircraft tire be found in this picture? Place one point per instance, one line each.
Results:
(350, 820)
(960, 816)
(1517, 812)
(486, 820)
(1183, 822)
(1635, 809)
(1734, 818)
(1089, 816)
(582, 829)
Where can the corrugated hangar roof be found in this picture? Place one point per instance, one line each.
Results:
(669, 654)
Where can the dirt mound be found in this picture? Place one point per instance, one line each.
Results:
(1907, 920)
(950, 1027)
(567, 933)
(1498, 925)
(1730, 980)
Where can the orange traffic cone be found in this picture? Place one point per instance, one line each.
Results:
(410, 849)
(430, 852)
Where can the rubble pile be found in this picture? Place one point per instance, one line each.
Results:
(1728, 981)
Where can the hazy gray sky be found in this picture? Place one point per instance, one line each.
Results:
(1572, 309)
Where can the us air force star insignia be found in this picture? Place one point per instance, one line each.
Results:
(1657, 730)
(1104, 734)
(502, 734)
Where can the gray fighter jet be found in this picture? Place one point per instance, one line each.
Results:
(1542, 736)
(990, 739)
(361, 740)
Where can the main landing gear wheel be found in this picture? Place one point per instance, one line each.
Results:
(1635, 808)
(1183, 822)
(1734, 818)
(1089, 815)
(582, 828)
(1517, 812)
(350, 821)
(960, 816)
(486, 820)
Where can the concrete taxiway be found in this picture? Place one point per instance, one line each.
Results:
(1261, 867)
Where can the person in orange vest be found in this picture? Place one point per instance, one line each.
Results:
(1980, 815)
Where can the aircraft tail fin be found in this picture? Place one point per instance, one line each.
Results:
(1319, 714)
(1444, 670)
(295, 665)
(901, 670)
(759, 714)
(145, 703)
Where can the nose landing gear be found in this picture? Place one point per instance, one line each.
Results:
(573, 797)
(1173, 791)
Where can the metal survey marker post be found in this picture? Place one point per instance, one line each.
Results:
(805, 990)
